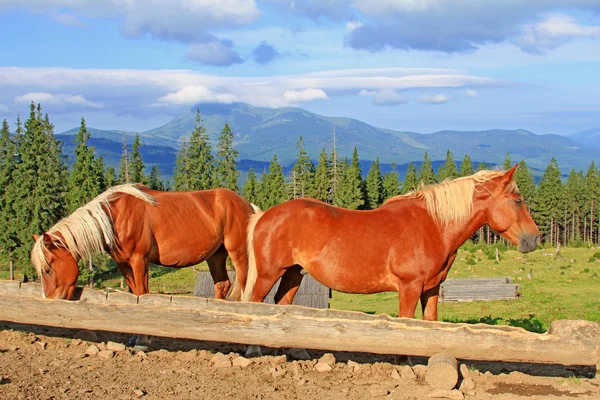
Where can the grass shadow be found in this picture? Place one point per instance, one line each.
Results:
(531, 323)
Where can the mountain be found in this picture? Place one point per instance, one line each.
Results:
(590, 137)
(261, 132)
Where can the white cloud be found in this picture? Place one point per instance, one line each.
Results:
(216, 52)
(56, 99)
(308, 94)
(193, 95)
(553, 32)
(471, 93)
(434, 99)
(385, 97)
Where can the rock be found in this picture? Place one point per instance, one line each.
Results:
(276, 372)
(395, 374)
(106, 354)
(446, 394)
(376, 391)
(115, 346)
(141, 355)
(88, 336)
(327, 358)
(92, 350)
(221, 360)
(420, 371)
(464, 371)
(353, 364)
(323, 367)
(242, 362)
(188, 355)
(278, 360)
(466, 385)
(407, 373)
(101, 346)
(205, 355)
(75, 342)
(471, 393)
(138, 393)
(42, 345)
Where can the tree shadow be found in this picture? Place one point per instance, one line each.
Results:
(531, 323)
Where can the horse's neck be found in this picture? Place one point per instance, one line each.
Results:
(458, 232)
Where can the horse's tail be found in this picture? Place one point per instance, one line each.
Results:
(236, 292)
(252, 272)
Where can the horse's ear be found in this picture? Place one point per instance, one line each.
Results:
(36, 237)
(508, 175)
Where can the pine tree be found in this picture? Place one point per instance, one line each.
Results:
(124, 168)
(526, 183)
(110, 178)
(8, 165)
(302, 173)
(549, 201)
(411, 182)
(507, 162)
(85, 181)
(100, 173)
(336, 173)
(136, 165)
(482, 166)
(426, 176)
(391, 183)
(154, 181)
(272, 186)
(466, 167)
(200, 161)
(251, 189)
(573, 196)
(227, 172)
(374, 185)
(321, 186)
(181, 172)
(448, 170)
(351, 193)
(591, 202)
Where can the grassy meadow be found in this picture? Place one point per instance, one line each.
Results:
(565, 287)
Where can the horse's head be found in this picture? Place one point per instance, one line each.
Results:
(56, 267)
(508, 215)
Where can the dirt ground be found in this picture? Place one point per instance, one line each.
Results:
(47, 363)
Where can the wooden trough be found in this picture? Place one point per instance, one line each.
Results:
(566, 342)
(311, 293)
(470, 289)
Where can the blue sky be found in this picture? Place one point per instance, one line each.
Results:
(417, 65)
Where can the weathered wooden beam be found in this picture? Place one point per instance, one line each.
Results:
(566, 342)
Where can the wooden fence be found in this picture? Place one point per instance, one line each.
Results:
(469, 289)
(566, 342)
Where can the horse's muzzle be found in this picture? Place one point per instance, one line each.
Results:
(528, 243)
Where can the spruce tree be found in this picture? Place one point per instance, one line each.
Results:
(110, 178)
(200, 161)
(251, 189)
(227, 172)
(272, 186)
(448, 170)
(411, 182)
(391, 183)
(8, 163)
(136, 164)
(85, 181)
(426, 176)
(302, 173)
(351, 193)
(549, 201)
(526, 183)
(374, 185)
(124, 167)
(336, 174)
(591, 202)
(466, 167)
(507, 162)
(321, 186)
(573, 197)
(181, 173)
(481, 166)
(100, 173)
(154, 181)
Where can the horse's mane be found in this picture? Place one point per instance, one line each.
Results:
(452, 200)
(89, 228)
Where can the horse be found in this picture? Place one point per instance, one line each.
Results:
(137, 226)
(406, 245)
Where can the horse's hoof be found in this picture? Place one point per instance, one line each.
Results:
(298, 354)
(137, 348)
(132, 340)
(253, 351)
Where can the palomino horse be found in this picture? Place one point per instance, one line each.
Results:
(137, 226)
(407, 245)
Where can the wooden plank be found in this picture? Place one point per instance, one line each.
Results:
(476, 281)
(566, 342)
(483, 292)
(311, 293)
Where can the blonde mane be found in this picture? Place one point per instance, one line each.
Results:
(89, 228)
(452, 200)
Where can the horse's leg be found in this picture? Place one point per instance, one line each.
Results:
(127, 272)
(409, 297)
(217, 264)
(139, 266)
(429, 303)
(290, 283)
(239, 258)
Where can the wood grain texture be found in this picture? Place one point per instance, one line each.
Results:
(442, 371)
(567, 342)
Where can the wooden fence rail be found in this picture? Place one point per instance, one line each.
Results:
(566, 342)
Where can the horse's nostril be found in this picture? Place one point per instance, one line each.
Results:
(537, 240)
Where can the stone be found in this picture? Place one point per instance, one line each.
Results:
(323, 367)
(464, 371)
(327, 358)
(106, 354)
(42, 345)
(395, 374)
(116, 347)
(407, 373)
(221, 360)
(242, 362)
(92, 350)
(88, 336)
(138, 393)
(277, 372)
(76, 342)
(278, 360)
(466, 385)
(420, 371)
(205, 355)
(353, 364)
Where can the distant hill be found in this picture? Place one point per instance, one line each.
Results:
(261, 132)
(590, 137)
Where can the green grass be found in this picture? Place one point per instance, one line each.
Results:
(564, 288)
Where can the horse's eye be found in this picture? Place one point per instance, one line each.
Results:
(518, 201)
(47, 271)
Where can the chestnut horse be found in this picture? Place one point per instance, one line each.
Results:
(137, 226)
(407, 245)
